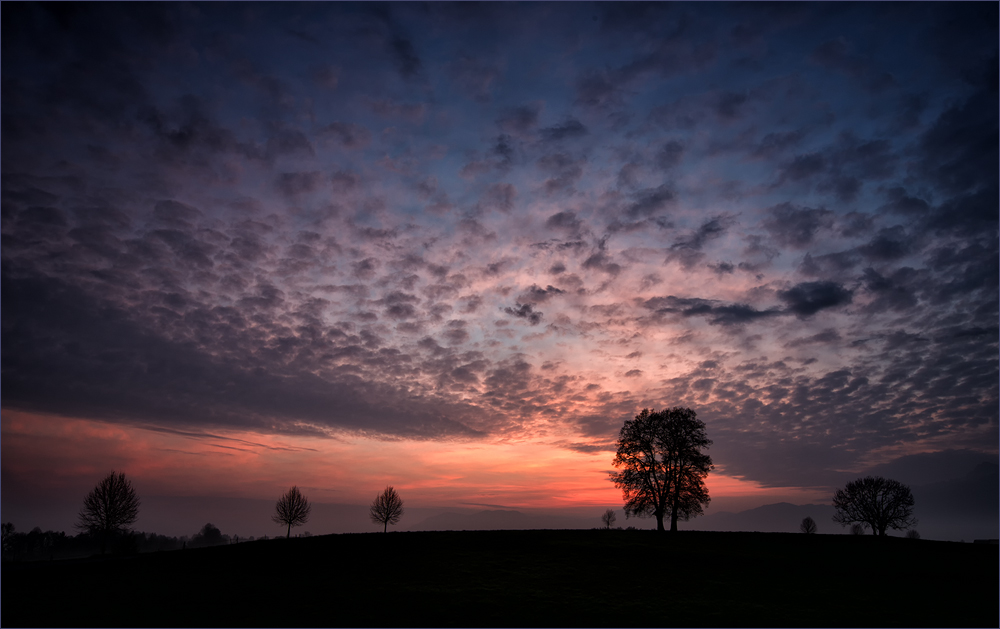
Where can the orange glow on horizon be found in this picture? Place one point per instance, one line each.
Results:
(526, 475)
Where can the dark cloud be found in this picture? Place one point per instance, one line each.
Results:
(669, 155)
(650, 201)
(346, 134)
(775, 144)
(837, 54)
(808, 298)
(567, 221)
(796, 226)
(899, 202)
(294, 184)
(896, 292)
(536, 295)
(717, 313)
(407, 61)
(564, 170)
(889, 243)
(525, 311)
(571, 128)
(803, 167)
(174, 384)
(730, 105)
(601, 261)
(520, 120)
(475, 76)
(202, 232)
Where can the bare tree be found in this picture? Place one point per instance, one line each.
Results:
(8, 537)
(110, 508)
(609, 518)
(808, 525)
(663, 467)
(877, 502)
(857, 529)
(386, 509)
(912, 534)
(292, 509)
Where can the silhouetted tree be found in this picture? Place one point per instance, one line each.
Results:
(912, 534)
(386, 509)
(110, 508)
(857, 529)
(292, 509)
(209, 535)
(808, 525)
(877, 502)
(609, 518)
(8, 537)
(663, 466)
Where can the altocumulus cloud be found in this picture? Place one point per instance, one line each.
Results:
(503, 231)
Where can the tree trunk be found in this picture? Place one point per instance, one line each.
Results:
(659, 521)
(289, 534)
(673, 520)
(385, 526)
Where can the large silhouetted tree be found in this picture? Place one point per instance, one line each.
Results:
(876, 502)
(110, 508)
(386, 509)
(292, 509)
(663, 468)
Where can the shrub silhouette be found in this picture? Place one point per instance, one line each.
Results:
(209, 535)
(808, 525)
(857, 529)
(912, 534)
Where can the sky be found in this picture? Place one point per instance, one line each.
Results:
(453, 247)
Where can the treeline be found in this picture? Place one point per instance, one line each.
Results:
(38, 545)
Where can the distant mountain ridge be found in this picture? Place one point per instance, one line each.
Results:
(781, 517)
(502, 520)
(778, 518)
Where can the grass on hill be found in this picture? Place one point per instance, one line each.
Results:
(568, 578)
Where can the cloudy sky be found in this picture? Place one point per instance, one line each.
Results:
(453, 247)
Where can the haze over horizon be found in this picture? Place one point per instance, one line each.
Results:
(453, 247)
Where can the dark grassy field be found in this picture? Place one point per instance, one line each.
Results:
(520, 578)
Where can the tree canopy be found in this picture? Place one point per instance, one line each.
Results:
(292, 509)
(662, 466)
(387, 508)
(110, 508)
(875, 502)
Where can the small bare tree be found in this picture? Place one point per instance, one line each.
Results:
(912, 534)
(386, 509)
(609, 518)
(292, 509)
(857, 529)
(8, 537)
(110, 508)
(808, 525)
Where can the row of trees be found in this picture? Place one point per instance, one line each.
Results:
(293, 509)
(663, 471)
(112, 507)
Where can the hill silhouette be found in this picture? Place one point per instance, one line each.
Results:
(501, 520)
(517, 578)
